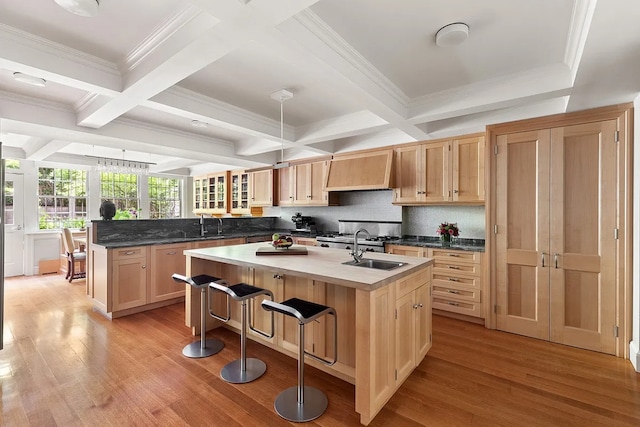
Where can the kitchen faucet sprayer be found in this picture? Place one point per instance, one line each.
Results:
(357, 254)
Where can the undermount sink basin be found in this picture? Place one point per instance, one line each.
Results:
(376, 264)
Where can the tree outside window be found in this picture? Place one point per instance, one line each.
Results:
(62, 198)
(164, 197)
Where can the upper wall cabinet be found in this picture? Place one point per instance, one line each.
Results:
(364, 170)
(210, 194)
(239, 191)
(302, 185)
(439, 172)
(261, 188)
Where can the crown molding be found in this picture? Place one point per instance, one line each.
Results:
(327, 35)
(182, 16)
(581, 18)
(49, 47)
(35, 102)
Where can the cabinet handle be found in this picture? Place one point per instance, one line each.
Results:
(455, 191)
(454, 255)
(172, 253)
(130, 252)
(542, 258)
(451, 291)
(415, 306)
(453, 303)
(453, 267)
(420, 305)
(555, 259)
(144, 266)
(277, 276)
(453, 279)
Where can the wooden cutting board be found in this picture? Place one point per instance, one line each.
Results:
(292, 250)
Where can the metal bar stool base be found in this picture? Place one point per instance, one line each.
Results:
(287, 406)
(195, 350)
(232, 372)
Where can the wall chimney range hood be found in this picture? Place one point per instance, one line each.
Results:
(366, 170)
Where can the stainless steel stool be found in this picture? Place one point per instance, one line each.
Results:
(303, 403)
(242, 370)
(206, 347)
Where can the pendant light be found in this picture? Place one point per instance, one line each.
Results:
(281, 95)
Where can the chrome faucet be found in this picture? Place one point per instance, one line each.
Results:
(357, 254)
(203, 229)
(219, 225)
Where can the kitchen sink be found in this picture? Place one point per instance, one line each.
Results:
(376, 264)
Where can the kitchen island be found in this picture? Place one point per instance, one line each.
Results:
(384, 317)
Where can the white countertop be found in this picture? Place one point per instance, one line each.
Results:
(324, 264)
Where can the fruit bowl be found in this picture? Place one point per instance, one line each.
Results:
(282, 244)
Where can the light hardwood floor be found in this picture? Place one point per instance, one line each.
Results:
(65, 365)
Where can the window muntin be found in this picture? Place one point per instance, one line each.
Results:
(62, 198)
(164, 197)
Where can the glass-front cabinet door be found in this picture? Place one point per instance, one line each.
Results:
(200, 195)
(239, 192)
(217, 189)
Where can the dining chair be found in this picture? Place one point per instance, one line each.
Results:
(73, 256)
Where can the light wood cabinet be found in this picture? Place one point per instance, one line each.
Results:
(165, 261)
(302, 185)
(364, 170)
(405, 250)
(239, 193)
(558, 195)
(210, 194)
(261, 188)
(438, 172)
(128, 278)
(305, 241)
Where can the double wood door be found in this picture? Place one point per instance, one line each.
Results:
(556, 217)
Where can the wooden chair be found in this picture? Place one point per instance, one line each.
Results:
(73, 257)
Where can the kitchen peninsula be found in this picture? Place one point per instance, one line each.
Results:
(384, 317)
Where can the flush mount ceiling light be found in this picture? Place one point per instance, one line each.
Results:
(80, 7)
(30, 80)
(199, 124)
(452, 34)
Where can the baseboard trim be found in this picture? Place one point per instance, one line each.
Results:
(634, 355)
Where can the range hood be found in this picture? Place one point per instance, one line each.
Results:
(366, 170)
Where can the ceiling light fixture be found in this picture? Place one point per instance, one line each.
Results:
(30, 80)
(113, 165)
(199, 124)
(281, 96)
(87, 8)
(452, 34)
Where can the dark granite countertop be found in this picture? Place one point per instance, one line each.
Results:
(170, 240)
(474, 245)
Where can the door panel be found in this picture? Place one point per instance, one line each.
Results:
(437, 177)
(583, 212)
(522, 184)
(13, 225)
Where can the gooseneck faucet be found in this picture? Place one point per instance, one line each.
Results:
(203, 229)
(219, 225)
(357, 254)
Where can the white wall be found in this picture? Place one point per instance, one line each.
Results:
(634, 346)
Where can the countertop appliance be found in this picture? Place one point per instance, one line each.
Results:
(304, 224)
(380, 232)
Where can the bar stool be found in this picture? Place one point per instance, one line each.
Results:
(303, 403)
(206, 347)
(242, 370)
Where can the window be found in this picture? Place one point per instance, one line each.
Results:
(164, 197)
(62, 198)
(8, 203)
(122, 190)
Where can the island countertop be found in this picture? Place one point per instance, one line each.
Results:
(319, 264)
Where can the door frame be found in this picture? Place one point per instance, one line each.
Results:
(623, 113)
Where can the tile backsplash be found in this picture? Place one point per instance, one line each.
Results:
(377, 206)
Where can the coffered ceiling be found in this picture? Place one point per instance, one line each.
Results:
(363, 74)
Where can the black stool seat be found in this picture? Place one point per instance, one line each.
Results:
(240, 291)
(206, 347)
(304, 311)
(199, 281)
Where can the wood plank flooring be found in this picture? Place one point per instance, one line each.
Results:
(65, 365)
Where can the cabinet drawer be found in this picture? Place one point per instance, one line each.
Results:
(455, 269)
(459, 256)
(412, 282)
(461, 307)
(459, 293)
(124, 253)
(456, 280)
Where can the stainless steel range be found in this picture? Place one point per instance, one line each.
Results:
(380, 232)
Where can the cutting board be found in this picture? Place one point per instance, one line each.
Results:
(293, 250)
